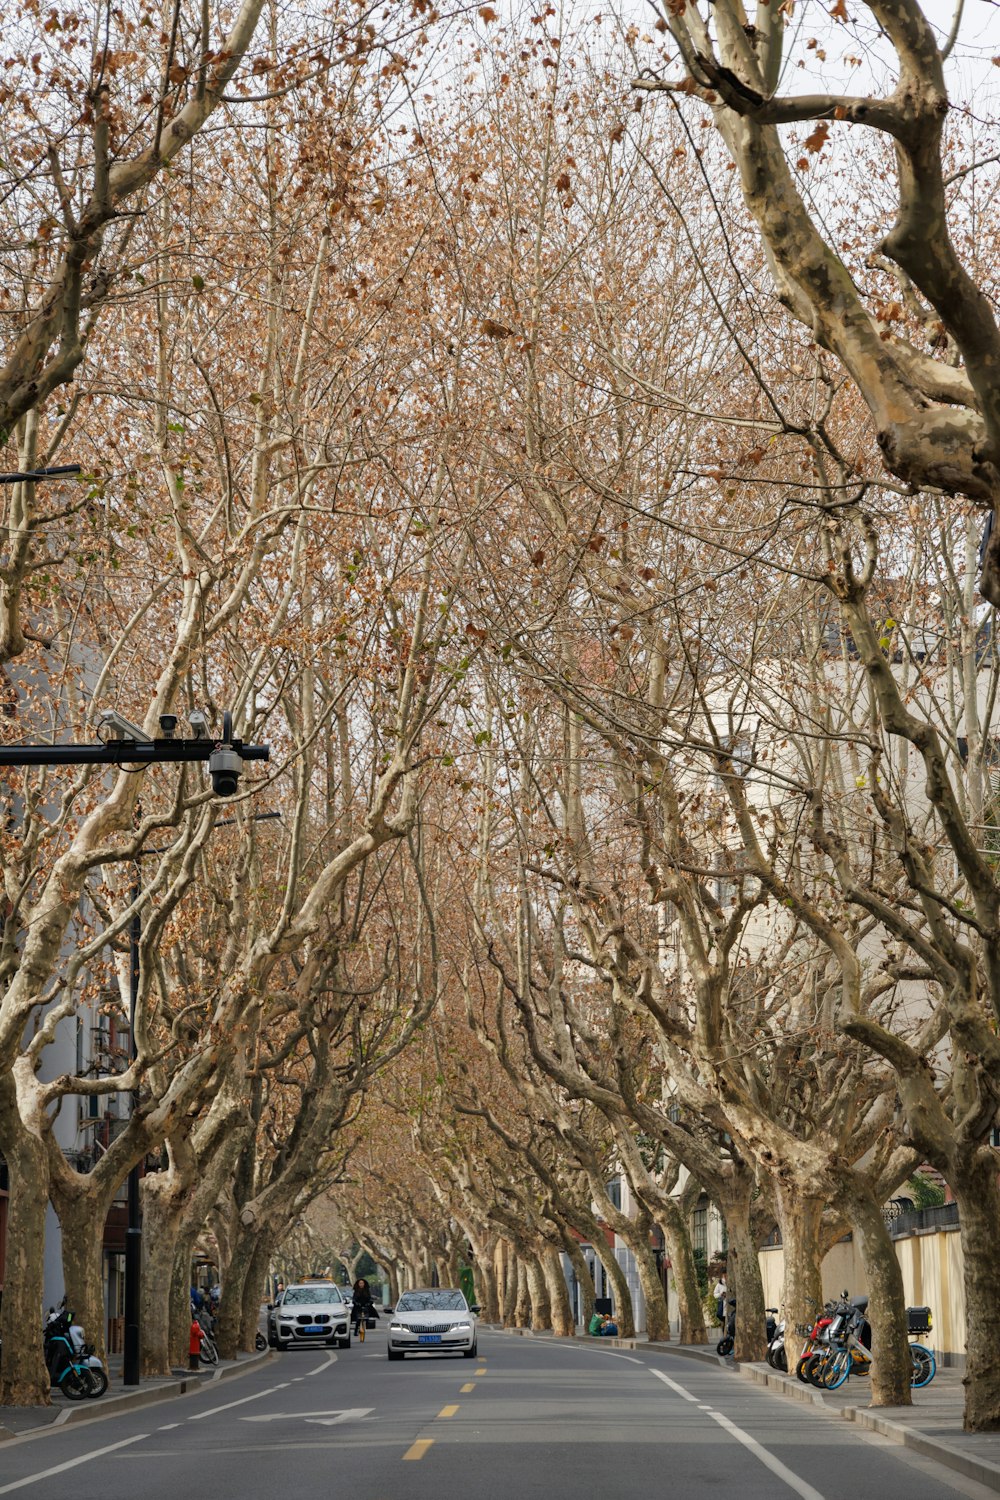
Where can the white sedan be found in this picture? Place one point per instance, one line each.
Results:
(433, 1320)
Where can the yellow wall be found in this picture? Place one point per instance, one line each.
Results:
(932, 1277)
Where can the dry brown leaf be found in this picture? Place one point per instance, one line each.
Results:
(817, 140)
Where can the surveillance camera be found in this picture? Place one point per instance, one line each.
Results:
(168, 723)
(199, 724)
(225, 768)
(114, 726)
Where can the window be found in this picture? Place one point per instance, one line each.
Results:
(699, 1230)
(615, 1191)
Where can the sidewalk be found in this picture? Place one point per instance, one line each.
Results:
(21, 1421)
(932, 1425)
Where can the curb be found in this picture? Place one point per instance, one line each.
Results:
(945, 1454)
(168, 1390)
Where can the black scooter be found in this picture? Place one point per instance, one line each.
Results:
(725, 1344)
(67, 1370)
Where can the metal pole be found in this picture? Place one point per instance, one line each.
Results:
(133, 1234)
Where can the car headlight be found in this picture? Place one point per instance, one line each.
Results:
(399, 1327)
(461, 1327)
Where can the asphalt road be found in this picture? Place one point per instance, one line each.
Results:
(527, 1420)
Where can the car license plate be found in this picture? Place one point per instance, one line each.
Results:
(315, 1328)
(428, 1338)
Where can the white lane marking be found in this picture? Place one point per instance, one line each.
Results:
(801, 1488)
(331, 1359)
(342, 1416)
(674, 1386)
(242, 1402)
(328, 1418)
(627, 1357)
(70, 1463)
(167, 1426)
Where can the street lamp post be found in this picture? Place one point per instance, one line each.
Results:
(133, 1233)
(225, 759)
(28, 476)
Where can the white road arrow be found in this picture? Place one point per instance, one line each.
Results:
(322, 1418)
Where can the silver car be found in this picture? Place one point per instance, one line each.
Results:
(433, 1320)
(312, 1312)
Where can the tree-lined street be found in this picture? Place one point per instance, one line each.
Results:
(564, 447)
(531, 1418)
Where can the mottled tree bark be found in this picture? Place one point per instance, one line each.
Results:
(800, 1218)
(231, 1309)
(541, 1314)
(511, 1286)
(253, 1292)
(522, 1304)
(978, 1196)
(744, 1280)
(690, 1312)
(560, 1311)
(891, 1364)
(584, 1279)
(161, 1221)
(82, 1212)
(24, 1380)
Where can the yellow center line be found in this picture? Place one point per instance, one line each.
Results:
(419, 1448)
(447, 1411)
(470, 1385)
(481, 1372)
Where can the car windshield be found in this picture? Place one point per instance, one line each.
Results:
(297, 1295)
(436, 1301)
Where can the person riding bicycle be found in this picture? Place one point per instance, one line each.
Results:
(363, 1305)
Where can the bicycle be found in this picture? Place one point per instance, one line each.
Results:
(364, 1318)
(849, 1347)
(208, 1353)
(816, 1339)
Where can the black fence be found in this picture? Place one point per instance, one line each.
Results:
(916, 1219)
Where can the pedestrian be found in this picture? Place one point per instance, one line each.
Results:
(596, 1320)
(720, 1292)
(609, 1328)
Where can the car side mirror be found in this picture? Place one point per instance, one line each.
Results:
(475, 1308)
(270, 1307)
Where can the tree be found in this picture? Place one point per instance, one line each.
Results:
(936, 417)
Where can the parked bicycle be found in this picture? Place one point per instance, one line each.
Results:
(208, 1353)
(361, 1324)
(847, 1348)
(816, 1337)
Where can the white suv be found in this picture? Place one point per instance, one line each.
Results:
(312, 1312)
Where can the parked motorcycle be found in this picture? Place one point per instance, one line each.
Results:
(726, 1343)
(85, 1353)
(73, 1367)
